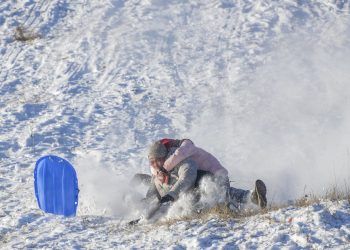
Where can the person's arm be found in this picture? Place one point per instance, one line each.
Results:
(187, 174)
(185, 150)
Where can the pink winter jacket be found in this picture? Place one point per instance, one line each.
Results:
(204, 160)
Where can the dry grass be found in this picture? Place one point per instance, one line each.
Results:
(222, 212)
(336, 194)
(333, 194)
(306, 200)
(23, 34)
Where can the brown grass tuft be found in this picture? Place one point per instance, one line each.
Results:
(24, 35)
(306, 200)
(222, 212)
(336, 194)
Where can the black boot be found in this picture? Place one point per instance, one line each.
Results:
(258, 196)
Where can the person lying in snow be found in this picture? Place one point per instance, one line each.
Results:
(178, 166)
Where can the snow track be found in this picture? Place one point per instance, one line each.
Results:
(107, 78)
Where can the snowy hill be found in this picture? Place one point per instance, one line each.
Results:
(263, 85)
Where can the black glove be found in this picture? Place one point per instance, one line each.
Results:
(166, 198)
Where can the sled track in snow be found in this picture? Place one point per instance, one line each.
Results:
(111, 77)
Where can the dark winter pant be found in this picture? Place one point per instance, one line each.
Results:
(233, 195)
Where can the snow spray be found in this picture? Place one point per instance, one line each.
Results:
(288, 120)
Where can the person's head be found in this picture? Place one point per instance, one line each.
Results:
(157, 154)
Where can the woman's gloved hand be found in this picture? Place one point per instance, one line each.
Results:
(166, 198)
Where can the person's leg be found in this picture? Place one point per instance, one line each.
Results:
(239, 195)
(224, 184)
(257, 196)
(200, 175)
(152, 192)
(219, 186)
(141, 179)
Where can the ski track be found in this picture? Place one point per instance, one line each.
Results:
(111, 77)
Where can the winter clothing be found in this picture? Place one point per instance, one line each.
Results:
(181, 178)
(236, 196)
(152, 191)
(258, 196)
(157, 150)
(239, 196)
(200, 175)
(184, 167)
(166, 198)
(204, 160)
(183, 152)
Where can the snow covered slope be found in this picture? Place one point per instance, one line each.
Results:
(320, 226)
(263, 85)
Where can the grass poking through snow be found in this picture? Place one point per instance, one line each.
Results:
(222, 212)
(23, 34)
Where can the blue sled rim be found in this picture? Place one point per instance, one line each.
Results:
(56, 186)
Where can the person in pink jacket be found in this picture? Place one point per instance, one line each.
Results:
(167, 156)
(185, 149)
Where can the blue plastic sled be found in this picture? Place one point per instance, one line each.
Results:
(56, 186)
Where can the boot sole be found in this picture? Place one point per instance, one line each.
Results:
(261, 190)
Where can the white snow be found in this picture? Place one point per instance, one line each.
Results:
(262, 84)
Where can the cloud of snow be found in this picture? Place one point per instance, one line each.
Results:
(210, 194)
(290, 125)
(102, 191)
(301, 118)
